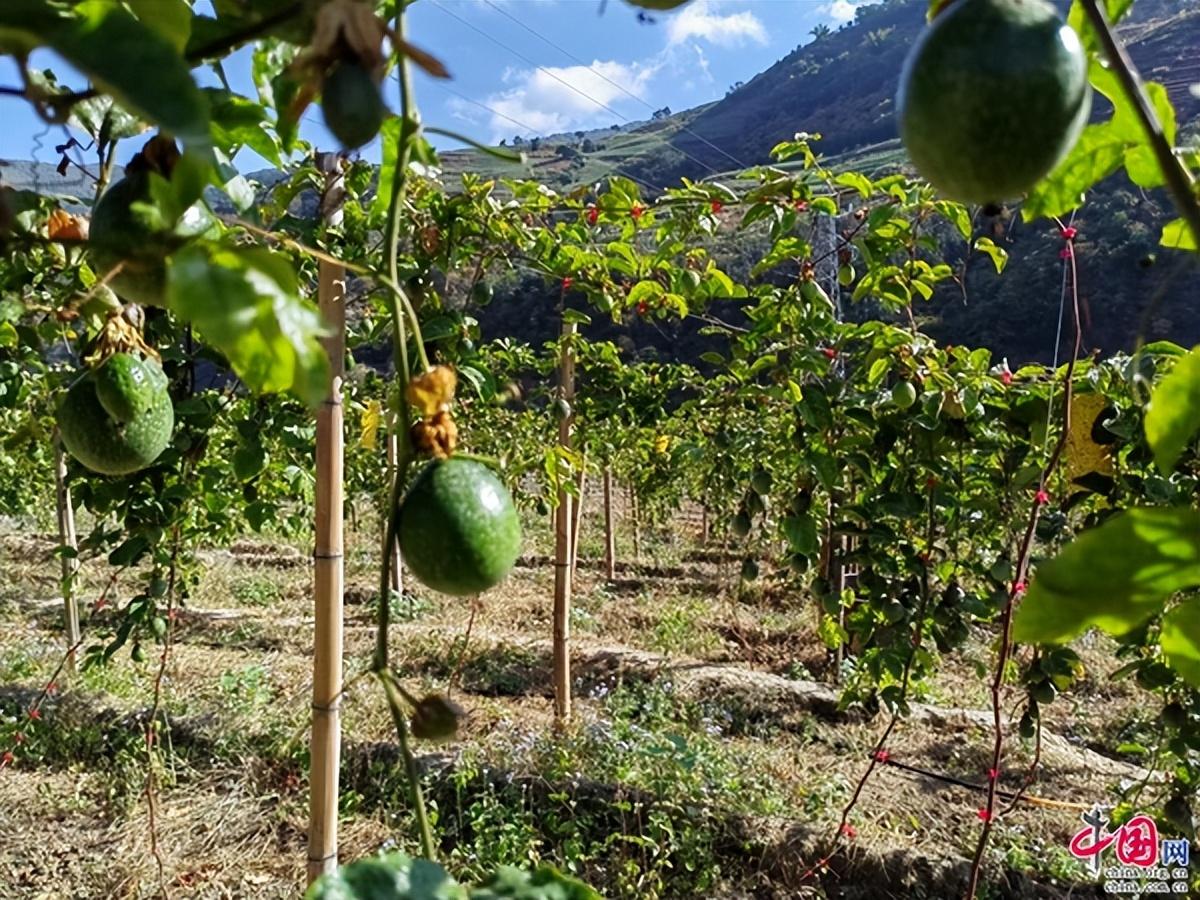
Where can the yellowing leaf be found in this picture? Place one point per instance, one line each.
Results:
(1173, 417)
(372, 416)
(432, 391)
(1083, 455)
(1177, 235)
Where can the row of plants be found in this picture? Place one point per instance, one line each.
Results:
(176, 353)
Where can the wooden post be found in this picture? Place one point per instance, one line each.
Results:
(704, 526)
(67, 541)
(580, 487)
(328, 573)
(562, 542)
(610, 538)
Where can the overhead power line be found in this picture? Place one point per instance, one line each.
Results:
(525, 127)
(521, 56)
(620, 87)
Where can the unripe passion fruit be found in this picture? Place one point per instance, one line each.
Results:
(760, 482)
(459, 530)
(749, 569)
(353, 107)
(127, 232)
(904, 395)
(741, 523)
(992, 97)
(436, 718)
(106, 444)
(127, 385)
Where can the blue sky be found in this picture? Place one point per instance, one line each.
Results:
(539, 66)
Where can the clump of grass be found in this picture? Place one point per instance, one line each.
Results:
(639, 796)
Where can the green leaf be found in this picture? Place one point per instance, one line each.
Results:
(855, 180)
(389, 136)
(957, 214)
(1103, 148)
(238, 122)
(1079, 20)
(577, 316)
(391, 877)
(246, 303)
(645, 292)
(832, 633)
(1180, 640)
(999, 256)
(801, 534)
(130, 551)
(172, 19)
(249, 460)
(1113, 577)
(1141, 163)
(544, 883)
(1173, 416)
(148, 77)
(1097, 155)
(1177, 235)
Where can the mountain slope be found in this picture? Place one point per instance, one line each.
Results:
(843, 85)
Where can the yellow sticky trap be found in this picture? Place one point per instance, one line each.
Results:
(372, 416)
(1083, 455)
(433, 391)
(662, 443)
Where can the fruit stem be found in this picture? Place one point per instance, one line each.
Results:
(1179, 179)
(417, 799)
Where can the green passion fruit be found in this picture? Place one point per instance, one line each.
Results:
(127, 231)
(352, 105)
(117, 446)
(459, 531)
(992, 97)
(904, 394)
(127, 386)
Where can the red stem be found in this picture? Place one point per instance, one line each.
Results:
(988, 813)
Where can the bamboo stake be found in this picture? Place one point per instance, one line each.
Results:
(637, 524)
(562, 542)
(327, 562)
(580, 487)
(67, 541)
(610, 537)
(395, 575)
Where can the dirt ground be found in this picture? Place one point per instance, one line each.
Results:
(672, 654)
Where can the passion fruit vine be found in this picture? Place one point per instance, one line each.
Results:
(459, 531)
(117, 418)
(992, 97)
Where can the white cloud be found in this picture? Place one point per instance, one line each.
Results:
(701, 66)
(701, 20)
(843, 10)
(554, 99)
